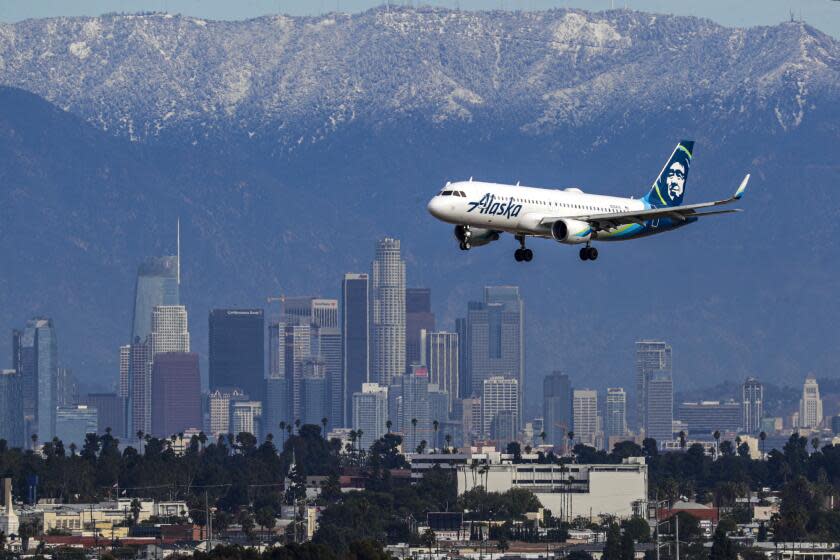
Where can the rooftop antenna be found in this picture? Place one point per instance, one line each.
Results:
(178, 250)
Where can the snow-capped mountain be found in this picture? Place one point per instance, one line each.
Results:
(288, 145)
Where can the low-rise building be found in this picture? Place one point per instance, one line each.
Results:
(569, 490)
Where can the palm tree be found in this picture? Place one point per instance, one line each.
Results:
(761, 437)
(297, 424)
(34, 441)
(413, 430)
(388, 425)
(543, 435)
(324, 422)
(353, 436)
(682, 439)
(571, 441)
(435, 426)
(448, 438)
(716, 435)
(359, 434)
(202, 439)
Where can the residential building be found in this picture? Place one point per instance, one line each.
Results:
(585, 407)
(498, 394)
(810, 405)
(370, 413)
(440, 355)
(11, 408)
(752, 405)
(558, 418)
(418, 318)
(176, 393)
(615, 413)
(388, 312)
(237, 350)
(355, 337)
(652, 357)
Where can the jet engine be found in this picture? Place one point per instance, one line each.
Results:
(474, 237)
(570, 231)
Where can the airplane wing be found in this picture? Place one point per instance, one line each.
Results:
(680, 213)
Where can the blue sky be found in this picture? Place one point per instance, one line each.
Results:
(823, 14)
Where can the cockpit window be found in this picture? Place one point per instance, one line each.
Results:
(446, 193)
(463, 194)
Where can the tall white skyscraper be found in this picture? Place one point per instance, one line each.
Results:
(370, 413)
(615, 413)
(498, 394)
(169, 329)
(388, 312)
(439, 353)
(652, 357)
(585, 410)
(810, 405)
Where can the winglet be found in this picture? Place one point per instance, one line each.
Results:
(740, 192)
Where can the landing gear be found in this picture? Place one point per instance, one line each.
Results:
(465, 245)
(523, 253)
(526, 255)
(588, 253)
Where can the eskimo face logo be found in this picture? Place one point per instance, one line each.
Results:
(675, 180)
(489, 205)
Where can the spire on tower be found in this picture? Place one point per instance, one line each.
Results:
(178, 250)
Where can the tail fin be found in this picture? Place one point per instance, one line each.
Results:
(669, 188)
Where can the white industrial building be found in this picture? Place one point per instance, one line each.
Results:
(570, 490)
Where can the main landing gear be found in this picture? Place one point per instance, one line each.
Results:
(465, 245)
(523, 253)
(588, 253)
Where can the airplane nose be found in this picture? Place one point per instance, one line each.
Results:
(435, 207)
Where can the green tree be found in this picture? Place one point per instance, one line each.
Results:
(637, 528)
(612, 548)
(429, 540)
(628, 547)
(722, 547)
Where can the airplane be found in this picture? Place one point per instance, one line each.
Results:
(483, 211)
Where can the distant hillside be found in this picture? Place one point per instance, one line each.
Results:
(288, 145)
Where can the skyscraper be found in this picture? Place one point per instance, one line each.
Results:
(355, 337)
(321, 315)
(158, 280)
(413, 388)
(652, 356)
(615, 413)
(170, 331)
(110, 412)
(277, 404)
(11, 408)
(465, 389)
(298, 349)
(246, 416)
(140, 388)
(37, 357)
(125, 360)
(498, 394)
(497, 342)
(73, 423)
(176, 393)
(752, 405)
(220, 409)
(558, 419)
(66, 387)
(659, 406)
(388, 312)
(585, 407)
(314, 392)
(370, 413)
(418, 317)
(237, 350)
(810, 405)
(440, 355)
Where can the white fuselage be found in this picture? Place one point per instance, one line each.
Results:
(517, 209)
